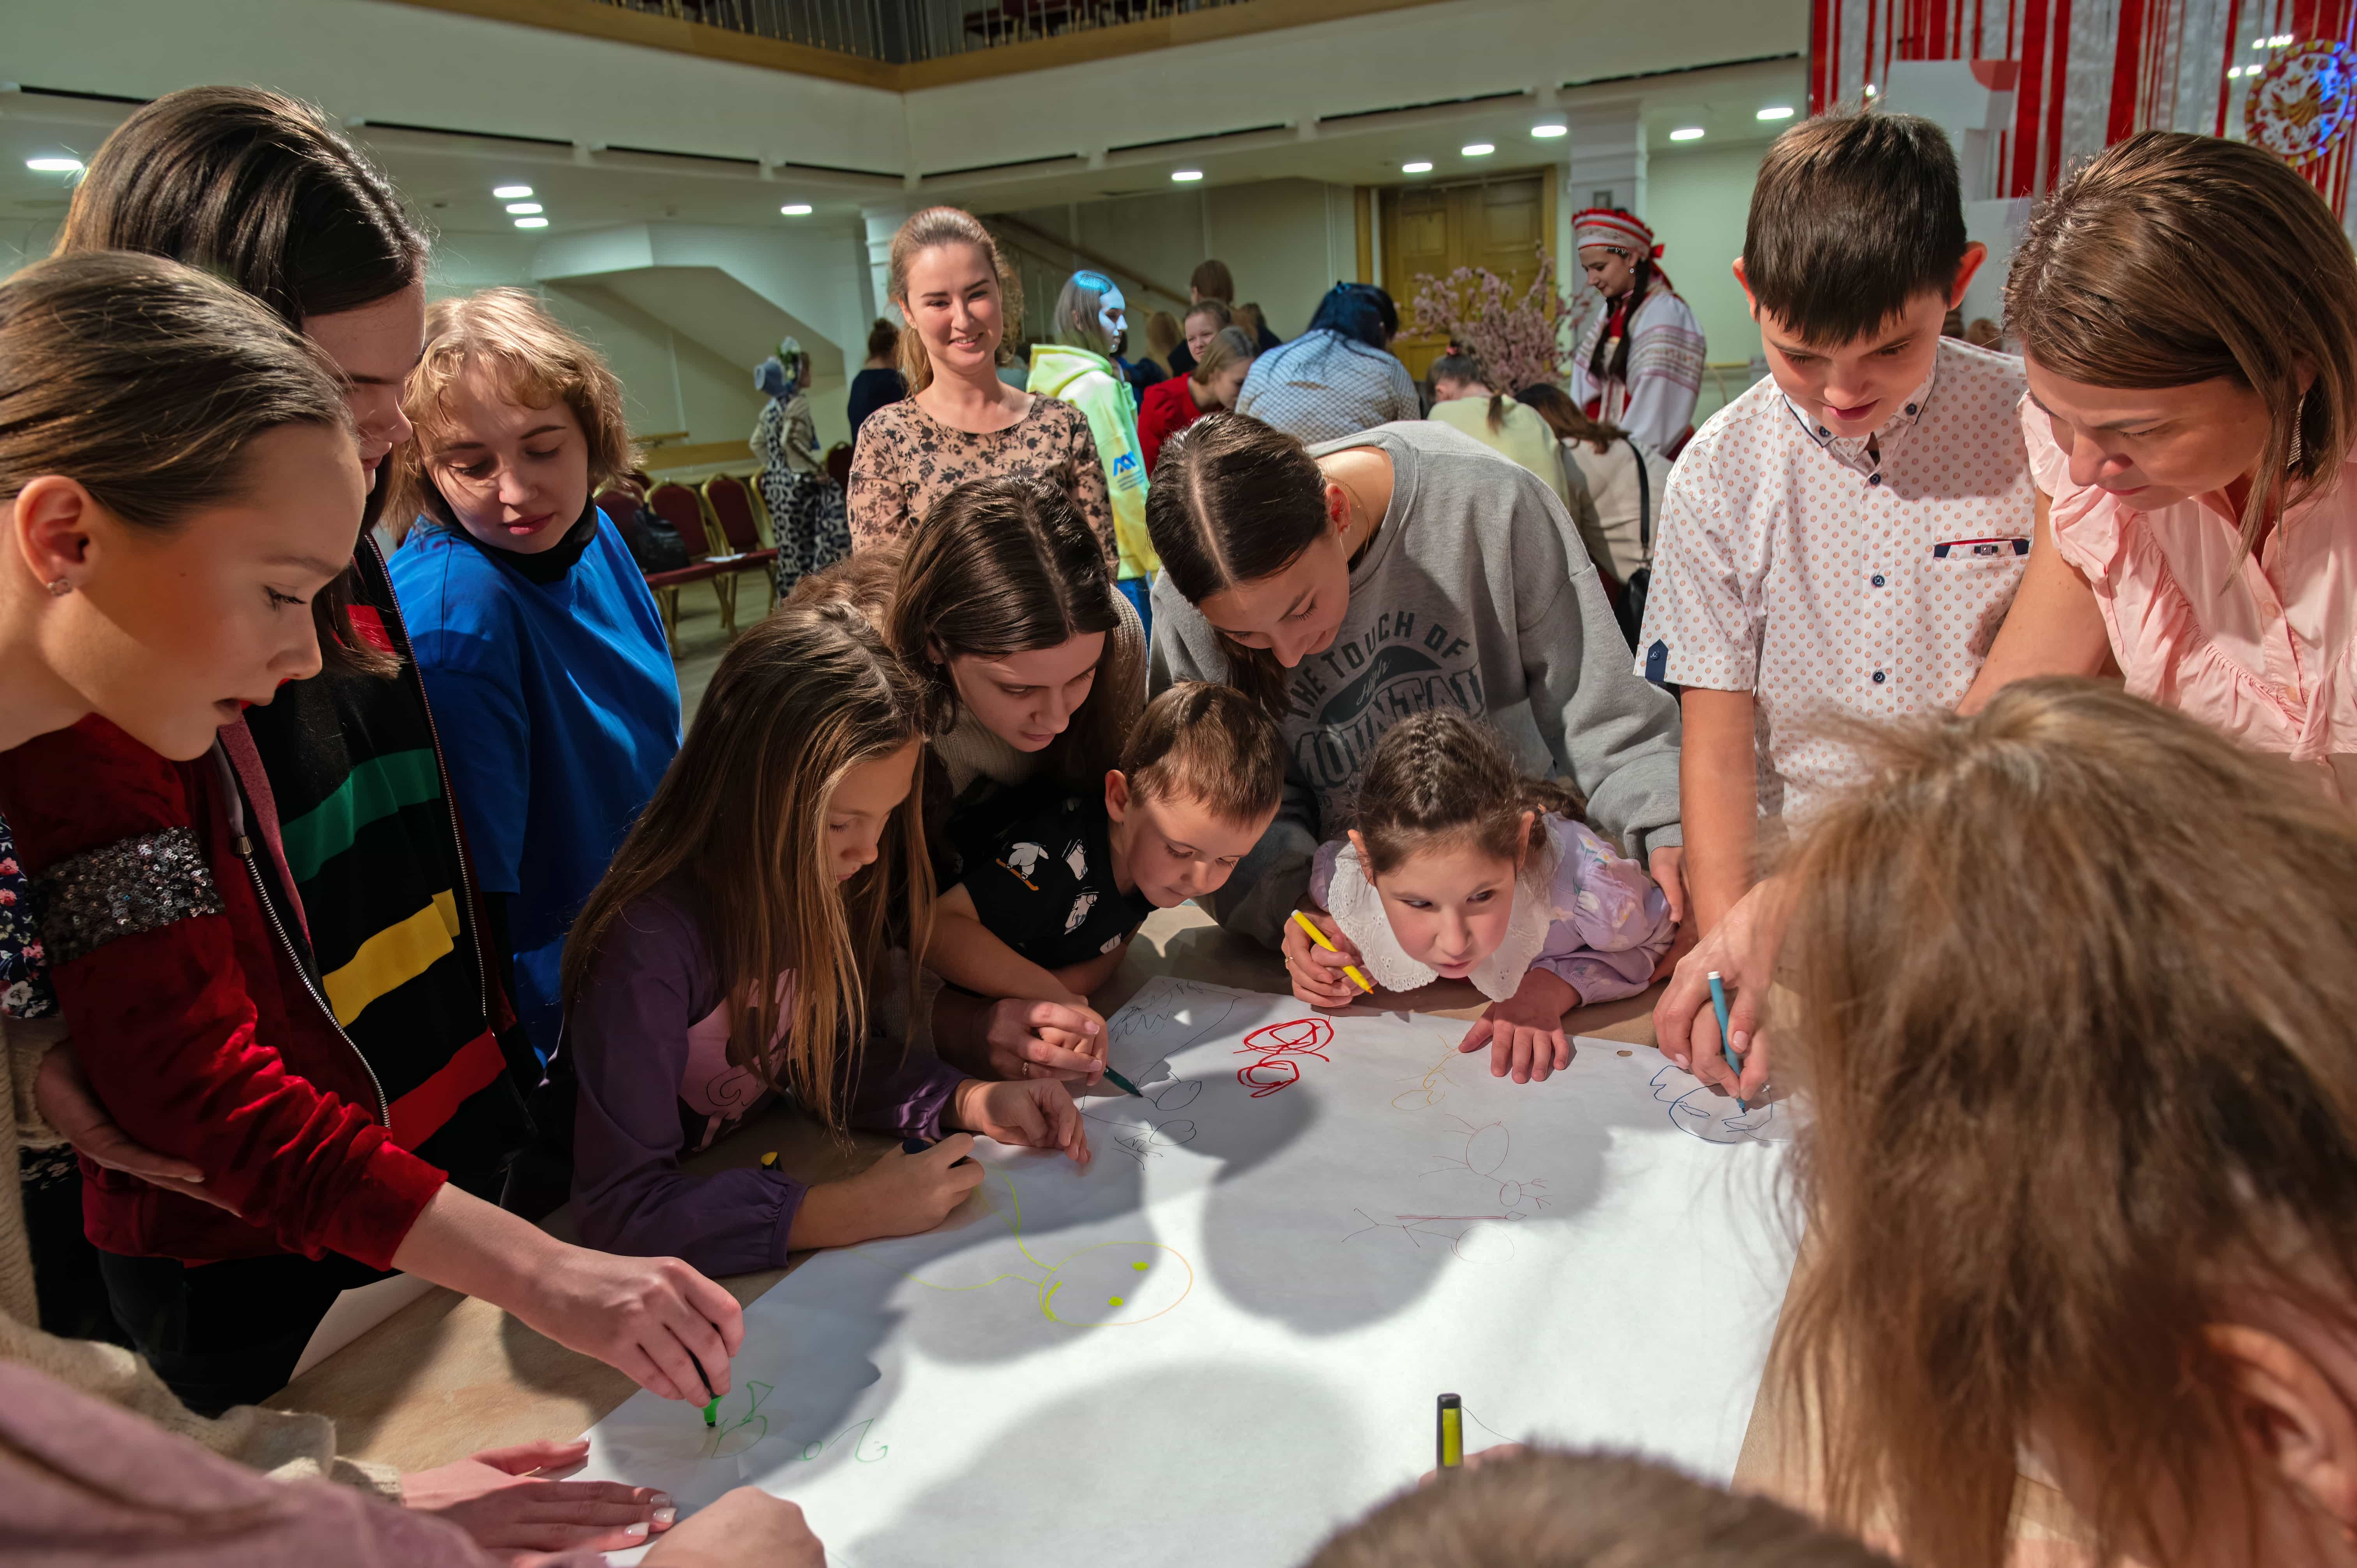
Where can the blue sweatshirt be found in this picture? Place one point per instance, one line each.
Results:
(558, 710)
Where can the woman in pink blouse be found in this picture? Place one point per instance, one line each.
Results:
(2188, 312)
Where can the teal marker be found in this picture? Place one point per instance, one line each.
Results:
(1122, 1083)
(1718, 1005)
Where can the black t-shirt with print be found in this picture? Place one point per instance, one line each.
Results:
(1041, 880)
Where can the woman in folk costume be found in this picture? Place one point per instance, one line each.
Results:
(1639, 361)
(806, 509)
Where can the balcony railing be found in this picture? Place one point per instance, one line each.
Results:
(899, 31)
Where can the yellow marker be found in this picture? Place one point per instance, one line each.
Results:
(1452, 1432)
(1319, 937)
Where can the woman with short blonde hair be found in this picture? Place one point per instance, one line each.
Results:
(539, 642)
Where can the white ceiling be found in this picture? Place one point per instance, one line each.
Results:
(449, 178)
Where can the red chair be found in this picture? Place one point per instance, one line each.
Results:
(730, 503)
(684, 509)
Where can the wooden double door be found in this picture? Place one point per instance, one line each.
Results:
(1497, 222)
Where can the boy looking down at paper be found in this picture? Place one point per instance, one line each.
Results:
(1843, 539)
(1058, 882)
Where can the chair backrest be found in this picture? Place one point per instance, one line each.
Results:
(838, 464)
(618, 504)
(684, 509)
(731, 507)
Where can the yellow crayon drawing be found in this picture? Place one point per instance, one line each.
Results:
(1135, 1281)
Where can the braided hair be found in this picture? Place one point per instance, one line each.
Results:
(1643, 269)
(1442, 775)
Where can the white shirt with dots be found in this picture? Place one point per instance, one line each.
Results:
(1830, 576)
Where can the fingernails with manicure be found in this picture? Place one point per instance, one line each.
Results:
(639, 1528)
(665, 1517)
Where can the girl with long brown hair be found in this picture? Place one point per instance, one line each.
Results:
(2187, 436)
(1006, 609)
(749, 940)
(1457, 866)
(2077, 1180)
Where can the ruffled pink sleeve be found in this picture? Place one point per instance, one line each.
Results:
(2085, 522)
(1612, 923)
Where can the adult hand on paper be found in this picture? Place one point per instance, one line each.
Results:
(1525, 1033)
(746, 1528)
(1044, 1040)
(65, 1101)
(1317, 975)
(1036, 1116)
(900, 1194)
(1667, 867)
(643, 1316)
(1742, 948)
(498, 1497)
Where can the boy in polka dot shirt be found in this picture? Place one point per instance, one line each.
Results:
(1844, 538)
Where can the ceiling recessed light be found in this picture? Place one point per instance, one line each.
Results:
(1186, 175)
(1775, 111)
(1686, 133)
(523, 209)
(1477, 149)
(511, 192)
(1419, 167)
(54, 166)
(796, 209)
(1543, 131)
(532, 223)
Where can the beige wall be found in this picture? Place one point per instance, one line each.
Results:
(1288, 241)
(1696, 203)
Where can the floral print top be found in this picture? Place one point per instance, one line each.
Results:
(907, 460)
(23, 968)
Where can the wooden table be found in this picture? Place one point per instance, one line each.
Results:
(448, 1375)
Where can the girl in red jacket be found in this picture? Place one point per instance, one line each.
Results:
(305, 1014)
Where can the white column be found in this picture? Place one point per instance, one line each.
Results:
(883, 222)
(1604, 166)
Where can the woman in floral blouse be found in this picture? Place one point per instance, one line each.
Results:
(960, 421)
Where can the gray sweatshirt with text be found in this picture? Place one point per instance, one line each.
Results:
(1476, 593)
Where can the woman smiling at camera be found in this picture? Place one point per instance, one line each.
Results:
(538, 640)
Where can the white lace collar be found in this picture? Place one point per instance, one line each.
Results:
(1358, 909)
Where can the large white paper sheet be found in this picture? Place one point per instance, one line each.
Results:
(1225, 1336)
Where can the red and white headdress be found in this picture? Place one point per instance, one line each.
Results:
(1602, 226)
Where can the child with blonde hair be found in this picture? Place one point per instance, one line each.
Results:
(2077, 1179)
(1457, 867)
(750, 940)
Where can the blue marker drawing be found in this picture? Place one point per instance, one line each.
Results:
(1702, 1112)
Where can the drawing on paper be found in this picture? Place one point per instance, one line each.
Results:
(1466, 1238)
(1280, 1048)
(862, 1452)
(1180, 1006)
(1113, 1284)
(1434, 1086)
(734, 1435)
(1482, 1156)
(1703, 1112)
(1142, 1135)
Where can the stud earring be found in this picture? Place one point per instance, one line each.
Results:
(59, 587)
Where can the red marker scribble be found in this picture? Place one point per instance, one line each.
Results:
(1276, 1046)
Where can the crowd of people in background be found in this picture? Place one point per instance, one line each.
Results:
(1985, 698)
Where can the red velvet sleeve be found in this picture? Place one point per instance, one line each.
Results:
(145, 959)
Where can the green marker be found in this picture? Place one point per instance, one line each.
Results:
(1122, 1083)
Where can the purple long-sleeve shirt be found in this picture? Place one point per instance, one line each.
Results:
(649, 1038)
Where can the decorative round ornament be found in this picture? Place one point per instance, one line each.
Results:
(2302, 104)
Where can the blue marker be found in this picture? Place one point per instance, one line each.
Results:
(1718, 1005)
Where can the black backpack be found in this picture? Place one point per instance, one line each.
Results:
(1631, 609)
(653, 543)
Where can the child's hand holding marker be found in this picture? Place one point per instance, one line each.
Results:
(1320, 959)
(1026, 1039)
(1035, 1115)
